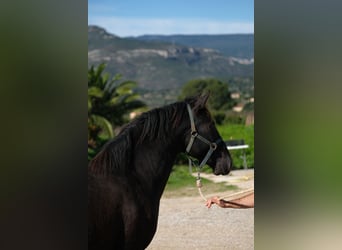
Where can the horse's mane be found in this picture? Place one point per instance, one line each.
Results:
(116, 155)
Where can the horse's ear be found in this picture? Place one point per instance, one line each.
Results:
(205, 98)
(202, 100)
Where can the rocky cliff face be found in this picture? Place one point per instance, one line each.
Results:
(161, 65)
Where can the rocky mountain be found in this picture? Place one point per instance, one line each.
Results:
(232, 45)
(160, 66)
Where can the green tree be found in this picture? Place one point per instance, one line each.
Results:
(219, 102)
(219, 93)
(109, 102)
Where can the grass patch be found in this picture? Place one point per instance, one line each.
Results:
(182, 183)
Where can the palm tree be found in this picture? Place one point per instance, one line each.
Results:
(109, 100)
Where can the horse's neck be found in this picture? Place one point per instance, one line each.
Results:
(157, 166)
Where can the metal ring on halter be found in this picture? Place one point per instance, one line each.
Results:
(194, 133)
(213, 145)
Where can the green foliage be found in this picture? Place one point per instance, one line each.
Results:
(219, 94)
(234, 118)
(219, 116)
(109, 102)
(219, 101)
(110, 98)
(243, 85)
(237, 131)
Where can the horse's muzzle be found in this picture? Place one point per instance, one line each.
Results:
(223, 166)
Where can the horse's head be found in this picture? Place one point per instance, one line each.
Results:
(203, 140)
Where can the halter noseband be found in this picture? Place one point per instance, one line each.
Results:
(194, 135)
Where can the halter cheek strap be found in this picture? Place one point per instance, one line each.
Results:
(194, 135)
(212, 148)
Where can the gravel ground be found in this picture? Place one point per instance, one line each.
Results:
(186, 223)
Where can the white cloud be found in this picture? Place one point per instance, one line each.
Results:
(141, 26)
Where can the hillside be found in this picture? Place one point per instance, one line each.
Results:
(239, 45)
(159, 66)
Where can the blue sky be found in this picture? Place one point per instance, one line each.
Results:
(139, 17)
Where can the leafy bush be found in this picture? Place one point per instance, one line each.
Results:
(220, 98)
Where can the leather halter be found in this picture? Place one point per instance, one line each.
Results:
(194, 135)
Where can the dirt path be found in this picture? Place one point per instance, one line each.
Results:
(185, 223)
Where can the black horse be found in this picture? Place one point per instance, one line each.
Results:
(127, 178)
